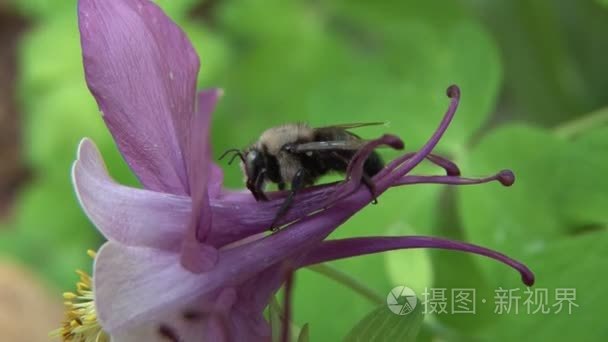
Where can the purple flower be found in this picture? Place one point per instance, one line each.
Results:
(185, 258)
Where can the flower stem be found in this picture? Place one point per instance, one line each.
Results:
(575, 127)
(348, 281)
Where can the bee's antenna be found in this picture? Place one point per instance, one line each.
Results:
(236, 152)
(228, 151)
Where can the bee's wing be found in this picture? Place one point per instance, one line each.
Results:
(356, 125)
(336, 145)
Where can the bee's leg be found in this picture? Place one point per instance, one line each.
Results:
(259, 185)
(369, 183)
(256, 186)
(297, 184)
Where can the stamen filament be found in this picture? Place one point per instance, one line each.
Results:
(449, 166)
(354, 171)
(402, 165)
(505, 177)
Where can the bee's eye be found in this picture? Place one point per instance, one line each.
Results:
(254, 163)
(252, 156)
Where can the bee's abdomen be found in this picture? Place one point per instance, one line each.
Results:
(337, 161)
(373, 164)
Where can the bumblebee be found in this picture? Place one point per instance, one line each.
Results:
(297, 155)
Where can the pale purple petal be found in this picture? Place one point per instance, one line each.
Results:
(134, 285)
(206, 319)
(133, 217)
(137, 217)
(239, 215)
(156, 330)
(142, 70)
(216, 181)
(256, 292)
(129, 279)
(198, 256)
(346, 248)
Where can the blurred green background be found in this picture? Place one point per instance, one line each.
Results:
(534, 80)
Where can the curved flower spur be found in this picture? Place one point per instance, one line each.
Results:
(186, 259)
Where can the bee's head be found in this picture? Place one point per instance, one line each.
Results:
(254, 165)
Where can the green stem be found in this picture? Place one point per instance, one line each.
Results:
(347, 281)
(575, 127)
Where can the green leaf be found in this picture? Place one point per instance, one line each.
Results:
(549, 77)
(520, 219)
(559, 184)
(582, 195)
(454, 270)
(384, 325)
(410, 267)
(571, 263)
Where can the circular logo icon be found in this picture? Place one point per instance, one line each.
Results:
(401, 300)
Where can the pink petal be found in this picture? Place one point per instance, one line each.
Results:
(142, 70)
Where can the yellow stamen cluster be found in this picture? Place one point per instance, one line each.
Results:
(80, 323)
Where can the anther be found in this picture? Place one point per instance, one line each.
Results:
(506, 177)
(453, 91)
